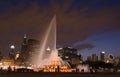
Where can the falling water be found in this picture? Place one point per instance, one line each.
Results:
(49, 40)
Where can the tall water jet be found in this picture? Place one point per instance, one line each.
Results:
(49, 40)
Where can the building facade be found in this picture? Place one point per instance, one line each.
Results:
(69, 54)
(102, 56)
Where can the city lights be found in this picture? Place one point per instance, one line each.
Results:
(44, 56)
(103, 52)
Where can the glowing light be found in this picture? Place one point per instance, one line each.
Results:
(70, 47)
(12, 46)
(103, 52)
(17, 56)
(0, 63)
(29, 68)
(5, 67)
(60, 48)
(107, 61)
(48, 49)
(66, 57)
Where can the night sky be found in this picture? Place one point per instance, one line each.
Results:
(91, 26)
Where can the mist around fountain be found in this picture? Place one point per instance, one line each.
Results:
(40, 58)
(82, 68)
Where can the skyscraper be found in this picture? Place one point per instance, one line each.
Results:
(23, 51)
(94, 57)
(102, 56)
(33, 46)
(24, 44)
(12, 52)
(89, 58)
(1, 55)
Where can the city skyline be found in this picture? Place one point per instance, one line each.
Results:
(90, 27)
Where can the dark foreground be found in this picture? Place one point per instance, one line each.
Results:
(18, 74)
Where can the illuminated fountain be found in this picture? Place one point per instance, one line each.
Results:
(47, 55)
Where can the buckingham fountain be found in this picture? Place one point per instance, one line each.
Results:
(46, 56)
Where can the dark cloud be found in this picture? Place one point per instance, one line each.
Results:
(74, 22)
(79, 4)
(85, 46)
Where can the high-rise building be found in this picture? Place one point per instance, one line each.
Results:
(1, 55)
(28, 48)
(67, 52)
(23, 51)
(33, 46)
(70, 55)
(24, 44)
(117, 60)
(94, 57)
(89, 58)
(102, 56)
(12, 52)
